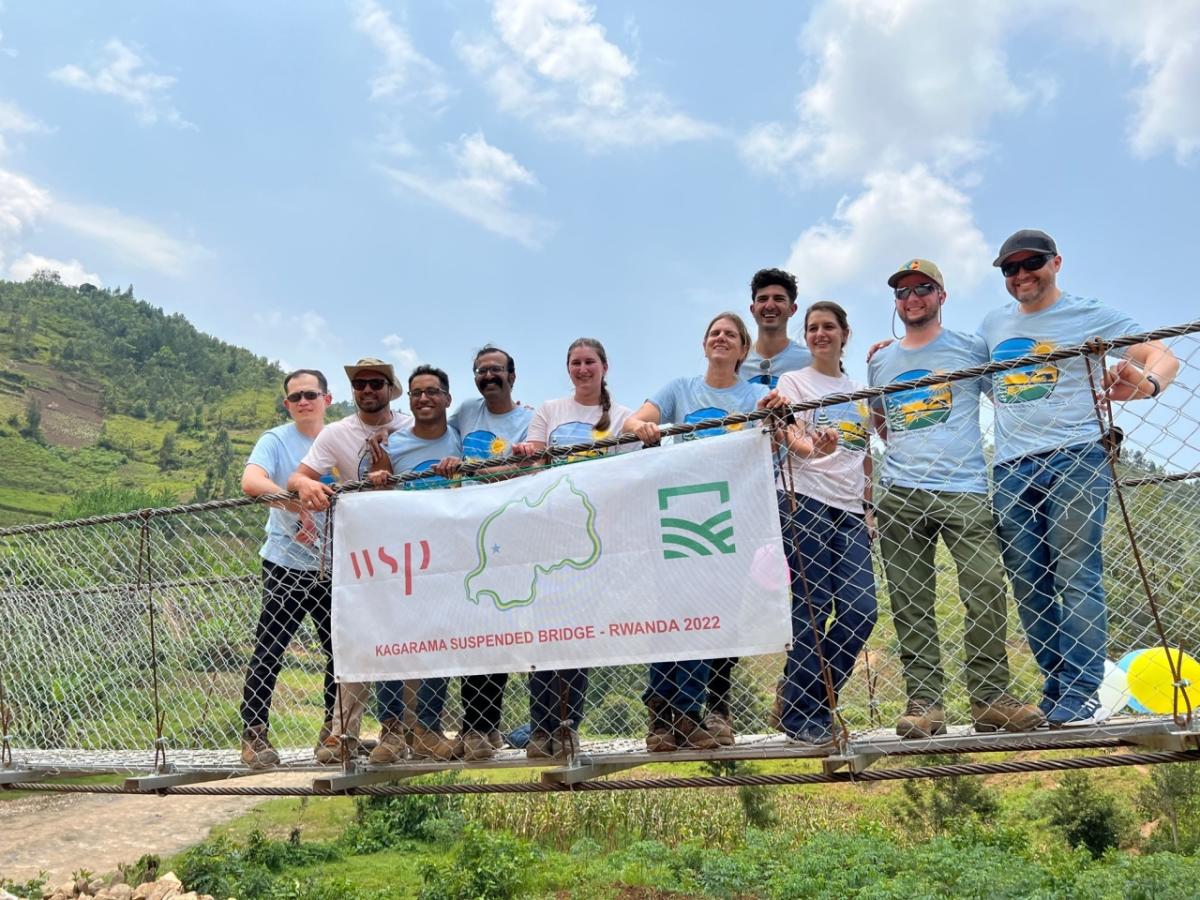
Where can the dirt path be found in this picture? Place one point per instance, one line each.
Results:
(62, 833)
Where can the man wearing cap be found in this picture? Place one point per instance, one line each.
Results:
(1051, 471)
(934, 484)
(772, 304)
(338, 451)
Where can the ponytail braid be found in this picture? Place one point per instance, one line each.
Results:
(605, 405)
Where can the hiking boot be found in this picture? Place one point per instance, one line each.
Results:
(1005, 712)
(718, 725)
(775, 716)
(426, 743)
(474, 746)
(660, 738)
(921, 719)
(391, 747)
(540, 746)
(692, 735)
(496, 739)
(566, 742)
(257, 752)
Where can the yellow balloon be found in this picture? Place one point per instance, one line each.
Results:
(1153, 686)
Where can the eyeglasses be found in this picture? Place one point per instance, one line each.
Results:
(480, 371)
(1032, 264)
(375, 384)
(297, 396)
(431, 393)
(921, 290)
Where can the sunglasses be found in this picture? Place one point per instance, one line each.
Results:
(297, 396)
(375, 384)
(921, 290)
(1032, 264)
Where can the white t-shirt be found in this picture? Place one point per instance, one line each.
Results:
(837, 479)
(340, 447)
(561, 422)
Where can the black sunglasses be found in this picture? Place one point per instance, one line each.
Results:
(1032, 264)
(295, 396)
(921, 290)
(375, 384)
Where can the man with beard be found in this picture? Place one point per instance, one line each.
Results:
(935, 483)
(338, 452)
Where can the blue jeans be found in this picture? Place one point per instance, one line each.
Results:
(546, 702)
(431, 701)
(829, 549)
(1050, 510)
(681, 685)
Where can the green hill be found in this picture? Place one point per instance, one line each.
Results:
(99, 388)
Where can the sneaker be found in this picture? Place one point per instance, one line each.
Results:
(257, 752)
(692, 735)
(812, 735)
(660, 734)
(921, 719)
(1074, 712)
(1005, 712)
(391, 747)
(540, 746)
(426, 743)
(474, 746)
(718, 725)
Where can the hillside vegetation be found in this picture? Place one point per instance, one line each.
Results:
(100, 389)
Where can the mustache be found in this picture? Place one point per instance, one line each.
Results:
(484, 382)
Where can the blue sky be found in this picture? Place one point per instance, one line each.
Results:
(320, 182)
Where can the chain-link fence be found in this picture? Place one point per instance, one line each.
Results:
(1054, 597)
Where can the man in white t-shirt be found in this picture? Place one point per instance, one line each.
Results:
(335, 456)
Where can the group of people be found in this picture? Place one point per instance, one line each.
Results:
(1041, 526)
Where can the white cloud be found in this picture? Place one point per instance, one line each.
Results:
(121, 73)
(480, 188)
(897, 82)
(131, 239)
(899, 215)
(71, 272)
(403, 357)
(21, 204)
(405, 70)
(313, 326)
(551, 62)
(13, 119)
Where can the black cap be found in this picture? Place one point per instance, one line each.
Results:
(1026, 239)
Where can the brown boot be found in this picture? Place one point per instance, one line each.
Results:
(718, 725)
(540, 746)
(257, 752)
(391, 747)
(566, 742)
(921, 719)
(1005, 712)
(660, 738)
(429, 744)
(474, 746)
(692, 735)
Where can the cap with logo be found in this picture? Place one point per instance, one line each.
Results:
(371, 364)
(1026, 239)
(924, 267)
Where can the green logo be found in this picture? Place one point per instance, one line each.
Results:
(683, 538)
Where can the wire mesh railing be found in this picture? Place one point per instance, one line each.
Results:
(135, 632)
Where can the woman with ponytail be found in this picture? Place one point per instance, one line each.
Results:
(825, 504)
(556, 698)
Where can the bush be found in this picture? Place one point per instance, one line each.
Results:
(936, 804)
(1171, 799)
(384, 822)
(1087, 817)
(219, 867)
(483, 866)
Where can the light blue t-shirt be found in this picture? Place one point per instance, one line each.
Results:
(1040, 408)
(485, 434)
(933, 437)
(691, 399)
(792, 358)
(278, 452)
(410, 453)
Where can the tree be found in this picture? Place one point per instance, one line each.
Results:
(33, 420)
(168, 453)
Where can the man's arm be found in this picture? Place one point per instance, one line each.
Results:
(305, 481)
(1128, 380)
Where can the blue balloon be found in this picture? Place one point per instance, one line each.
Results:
(1124, 666)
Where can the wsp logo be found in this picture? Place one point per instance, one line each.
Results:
(684, 538)
(410, 565)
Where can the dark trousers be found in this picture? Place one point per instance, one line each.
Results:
(548, 690)
(288, 596)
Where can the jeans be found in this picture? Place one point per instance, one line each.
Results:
(720, 685)
(548, 690)
(431, 701)
(288, 596)
(910, 521)
(1050, 510)
(681, 685)
(829, 550)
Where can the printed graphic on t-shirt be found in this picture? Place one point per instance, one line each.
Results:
(919, 407)
(850, 420)
(578, 433)
(708, 412)
(484, 445)
(1028, 382)
(420, 484)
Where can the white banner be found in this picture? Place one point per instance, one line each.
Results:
(662, 554)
